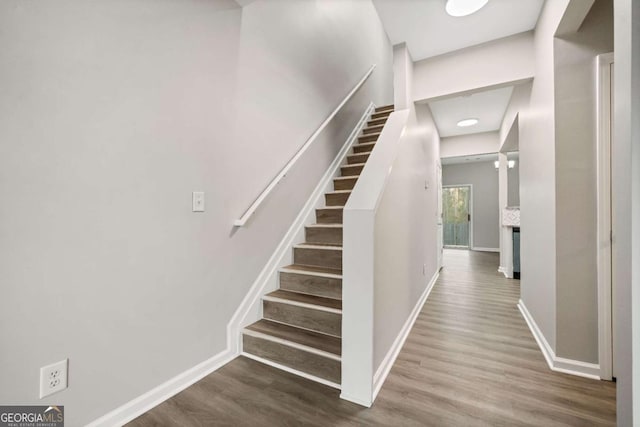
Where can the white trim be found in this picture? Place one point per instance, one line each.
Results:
(298, 327)
(546, 349)
(249, 310)
(297, 346)
(301, 304)
(604, 214)
(265, 193)
(311, 273)
(356, 400)
(291, 370)
(312, 246)
(558, 364)
(387, 363)
(577, 367)
(145, 402)
(477, 249)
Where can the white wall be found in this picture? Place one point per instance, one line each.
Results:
(390, 241)
(576, 182)
(518, 102)
(112, 114)
(483, 176)
(513, 185)
(406, 219)
(626, 179)
(537, 181)
(405, 233)
(469, 145)
(495, 63)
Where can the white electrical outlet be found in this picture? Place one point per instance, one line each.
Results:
(53, 378)
(198, 201)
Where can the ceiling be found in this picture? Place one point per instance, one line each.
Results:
(487, 106)
(491, 157)
(429, 31)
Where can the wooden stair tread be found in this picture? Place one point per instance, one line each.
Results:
(295, 297)
(318, 245)
(302, 320)
(384, 108)
(304, 337)
(324, 226)
(311, 269)
(362, 144)
(377, 121)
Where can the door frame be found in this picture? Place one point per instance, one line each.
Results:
(470, 213)
(605, 226)
(440, 236)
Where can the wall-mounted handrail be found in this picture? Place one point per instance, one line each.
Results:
(265, 193)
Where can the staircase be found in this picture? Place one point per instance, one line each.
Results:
(302, 321)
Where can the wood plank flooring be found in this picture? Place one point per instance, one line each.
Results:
(470, 360)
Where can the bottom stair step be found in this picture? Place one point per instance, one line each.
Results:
(318, 314)
(306, 351)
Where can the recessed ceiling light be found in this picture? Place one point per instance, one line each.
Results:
(467, 122)
(459, 8)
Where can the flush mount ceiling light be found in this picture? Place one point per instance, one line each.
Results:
(510, 164)
(467, 122)
(459, 8)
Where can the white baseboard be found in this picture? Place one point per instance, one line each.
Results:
(503, 270)
(546, 349)
(249, 310)
(145, 402)
(355, 400)
(387, 363)
(478, 249)
(558, 364)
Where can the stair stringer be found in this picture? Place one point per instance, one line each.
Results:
(250, 309)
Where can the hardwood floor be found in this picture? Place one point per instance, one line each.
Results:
(470, 360)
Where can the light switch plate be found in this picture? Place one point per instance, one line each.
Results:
(198, 201)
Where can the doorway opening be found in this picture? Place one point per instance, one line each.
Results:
(456, 213)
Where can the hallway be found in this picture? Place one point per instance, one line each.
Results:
(469, 360)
